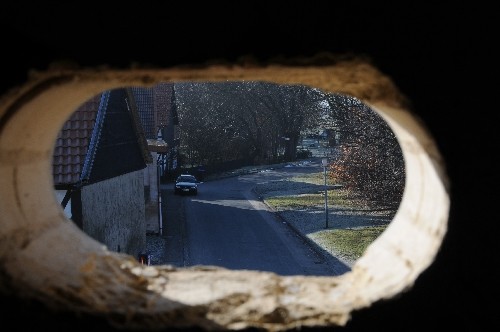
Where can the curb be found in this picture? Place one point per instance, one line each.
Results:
(313, 245)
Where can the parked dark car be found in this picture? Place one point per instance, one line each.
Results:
(186, 184)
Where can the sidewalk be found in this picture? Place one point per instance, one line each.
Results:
(167, 247)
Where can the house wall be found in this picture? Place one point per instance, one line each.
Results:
(114, 213)
(151, 196)
(59, 198)
(151, 181)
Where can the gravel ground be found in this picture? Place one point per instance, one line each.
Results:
(310, 222)
(156, 249)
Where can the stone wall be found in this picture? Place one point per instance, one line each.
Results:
(89, 279)
(114, 213)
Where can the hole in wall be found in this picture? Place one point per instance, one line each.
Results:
(256, 151)
(34, 227)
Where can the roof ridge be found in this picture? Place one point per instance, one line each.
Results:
(96, 135)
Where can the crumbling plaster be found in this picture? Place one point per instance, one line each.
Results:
(86, 277)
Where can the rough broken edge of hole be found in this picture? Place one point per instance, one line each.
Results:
(46, 257)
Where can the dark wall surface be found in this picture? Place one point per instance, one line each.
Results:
(440, 56)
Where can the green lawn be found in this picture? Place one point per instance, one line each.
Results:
(349, 242)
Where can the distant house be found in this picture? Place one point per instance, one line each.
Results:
(157, 111)
(98, 168)
(158, 115)
(331, 135)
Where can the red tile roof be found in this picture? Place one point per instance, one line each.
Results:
(72, 143)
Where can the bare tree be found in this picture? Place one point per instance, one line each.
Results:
(262, 122)
(370, 162)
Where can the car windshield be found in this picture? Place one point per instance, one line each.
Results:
(186, 179)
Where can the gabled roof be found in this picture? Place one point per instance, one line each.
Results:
(72, 143)
(157, 111)
(156, 107)
(102, 139)
(145, 108)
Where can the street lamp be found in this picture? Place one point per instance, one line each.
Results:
(324, 163)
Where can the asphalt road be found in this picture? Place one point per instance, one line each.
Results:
(227, 225)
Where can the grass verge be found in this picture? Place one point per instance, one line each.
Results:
(350, 243)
